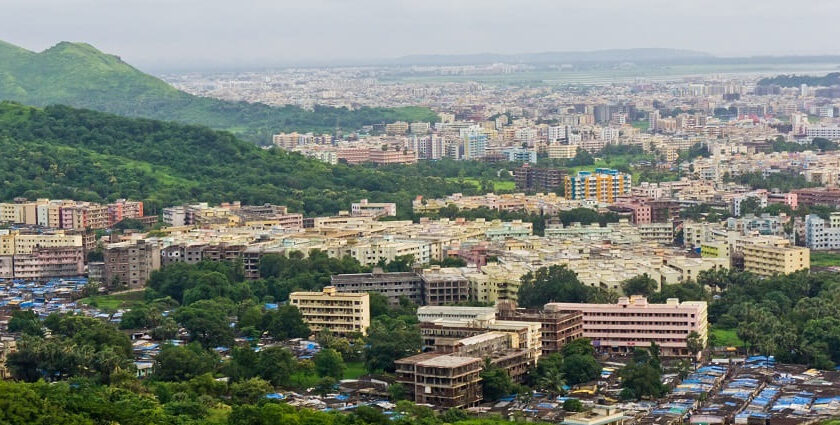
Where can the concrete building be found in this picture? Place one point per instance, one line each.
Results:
(373, 209)
(130, 263)
(342, 313)
(534, 179)
(632, 322)
(394, 286)
(445, 381)
(557, 328)
(768, 259)
(444, 286)
(604, 185)
(822, 234)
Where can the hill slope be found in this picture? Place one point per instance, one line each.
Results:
(62, 152)
(79, 75)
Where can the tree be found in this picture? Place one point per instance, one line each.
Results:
(579, 368)
(496, 382)
(388, 340)
(573, 405)
(325, 385)
(396, 392)
(639, 285)
(695, 345)
(183, 363)
(207, 322)
(328, 362)
(642, 376)
(250, 391)
(275, 365)
(554, 284)
(25, 322)
(285, 323)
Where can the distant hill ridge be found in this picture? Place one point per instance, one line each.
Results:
(79, 75)
(611, 55)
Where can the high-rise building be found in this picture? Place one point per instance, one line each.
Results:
(604, 185)
(130, 263)
(342, 313)
(529, 178)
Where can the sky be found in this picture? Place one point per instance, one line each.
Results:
(174, 34)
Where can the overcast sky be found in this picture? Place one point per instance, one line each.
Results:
(185, 33)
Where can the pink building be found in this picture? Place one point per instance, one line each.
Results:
(632, 322)
(43, 263)
(122, 209)
(789, 199)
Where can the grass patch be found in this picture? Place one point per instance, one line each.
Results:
(727, 337)
(825, 259)
(354, 370)
(303, 381)
(499, 186)
(114, 302)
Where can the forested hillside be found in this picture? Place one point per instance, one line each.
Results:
(62, 152)
(79, 75)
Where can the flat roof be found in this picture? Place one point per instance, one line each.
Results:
(449, 361)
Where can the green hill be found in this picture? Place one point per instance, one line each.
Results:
(62, 152)
(79, 75)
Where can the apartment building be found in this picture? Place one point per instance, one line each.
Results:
(658, 232)
(364, 208)
(394, 286)
(123, 209)
(818, 196)
(534, 179)
(768, 259)
(444, 286)
(633, 322)
(396, 128)
(822, 234)
(344, 314)
(604, 185)
(16, 242)
(557, 328)
(561, 151)
(49, 262)
(130, 264)
(444, 381)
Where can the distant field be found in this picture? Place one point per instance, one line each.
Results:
(606, 76)
(114, 302)
(727, 337)
(825, 259)
(498, 185)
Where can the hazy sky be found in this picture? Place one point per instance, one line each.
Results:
(184, 33)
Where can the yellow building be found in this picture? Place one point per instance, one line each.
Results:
(768, 260)
(342, 313)
(715, 249)
(604, 185)
(14, 243)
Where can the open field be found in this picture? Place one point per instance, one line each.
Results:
(727, 337)
(825, 259)
(498, 185)
(114, 302)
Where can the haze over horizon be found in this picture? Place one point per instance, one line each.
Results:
(158, 34)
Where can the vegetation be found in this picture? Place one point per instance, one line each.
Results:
(556, 284)
(784, 182)
(791, 80)
(642, 376)
(825, 259)
(79, 75)
(61, 152)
